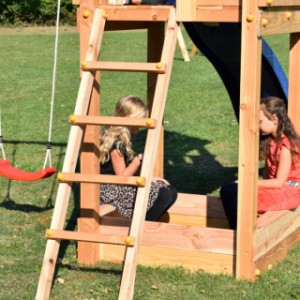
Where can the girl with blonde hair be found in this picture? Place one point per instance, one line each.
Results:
(117, 158)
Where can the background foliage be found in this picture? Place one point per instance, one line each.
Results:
(35, 12)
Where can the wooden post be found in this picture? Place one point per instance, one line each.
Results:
(156, 34)
(88, 253)
(182, 46)
(294, 75)
(248, 140)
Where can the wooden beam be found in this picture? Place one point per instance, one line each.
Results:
(155, 41)
(274, 232)
(97, 178)
(276, 3)
(248, 140)
(113, 121)
(279, 21)
(294, 75)
(156, 67)
(186, 237)
(136, 13)
(208, 11)
(108, 238)
(190, 260)
(64, 190)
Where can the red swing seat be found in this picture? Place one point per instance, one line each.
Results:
(8, 171)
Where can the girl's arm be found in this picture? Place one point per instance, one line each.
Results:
(284, 167)
(119, 164)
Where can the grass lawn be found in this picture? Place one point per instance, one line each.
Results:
(201, 152)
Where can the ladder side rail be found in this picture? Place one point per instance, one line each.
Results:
(72, 152)
(136, 229)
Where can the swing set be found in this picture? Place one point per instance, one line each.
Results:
(13, 173)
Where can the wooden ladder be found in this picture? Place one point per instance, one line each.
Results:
(56, 233)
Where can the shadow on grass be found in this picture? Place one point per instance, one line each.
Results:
(188, 164)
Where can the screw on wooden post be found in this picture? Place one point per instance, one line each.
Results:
(149, 122)
(60, 176)
(264, 22)
(159, 65)
(72, 119)
(86, 14)
(250, 18)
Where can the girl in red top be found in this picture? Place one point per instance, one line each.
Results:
(279, 148)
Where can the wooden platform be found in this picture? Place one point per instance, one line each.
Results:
(195, 235)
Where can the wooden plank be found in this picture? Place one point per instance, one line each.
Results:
(89, 193)
(208, 11)
(137, 13)
(98, 178)
(72, 152)
(182, 46)
(198, 205)
(110, 120)
(294, 75)
(155, 42)
(279, 22)
(136, 229)
(190, 260)
(185, 237)
(186, 10)
(278, 251)
(269, 236)
(264, 3)
(218, 14)
(269, 217)
(248, 141)
(124, 66)
(108, 238)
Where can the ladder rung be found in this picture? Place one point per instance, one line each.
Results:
(109, 120)
(137, 13)
(90, 237)
(98, 178)
(158, 68)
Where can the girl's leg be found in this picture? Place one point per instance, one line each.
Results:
(166, 198)
(229, 196)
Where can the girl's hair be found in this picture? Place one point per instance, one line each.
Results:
(275, 106)
(129, 106)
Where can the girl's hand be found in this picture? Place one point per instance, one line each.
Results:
(156, 179)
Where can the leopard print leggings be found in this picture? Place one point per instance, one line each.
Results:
(122, 197)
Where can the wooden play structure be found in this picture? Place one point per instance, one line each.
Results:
(194, 233)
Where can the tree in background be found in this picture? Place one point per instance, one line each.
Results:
(36, 12)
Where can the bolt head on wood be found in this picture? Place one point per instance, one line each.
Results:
(83, 63)
(264, 22)
(60, 176)
(250, 18)
(288, 15)
(86, 14)
(105, 14)
(139, 181)
(49, 232)
(72, 118)
(159, 66)
(149, 122)
(128, 240)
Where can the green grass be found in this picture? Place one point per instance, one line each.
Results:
(201, 153)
